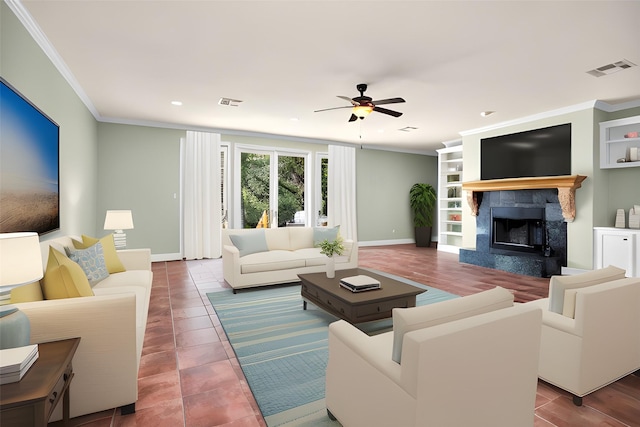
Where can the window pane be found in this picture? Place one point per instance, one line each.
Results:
(290, 188)
(254, 177)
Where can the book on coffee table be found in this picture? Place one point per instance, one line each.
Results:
(360, 283)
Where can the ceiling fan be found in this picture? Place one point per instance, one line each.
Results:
(363, 105)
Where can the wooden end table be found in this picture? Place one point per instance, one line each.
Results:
(30, 401)
(357, 307)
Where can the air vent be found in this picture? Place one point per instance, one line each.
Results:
(605, 70)
(229, 102)
(407, 129)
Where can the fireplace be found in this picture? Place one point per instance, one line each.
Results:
(518, 229)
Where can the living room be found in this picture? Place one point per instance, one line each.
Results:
(118, 164)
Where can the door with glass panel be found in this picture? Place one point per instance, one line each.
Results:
(272, 188)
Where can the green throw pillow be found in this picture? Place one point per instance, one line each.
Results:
(250, 242)
(92, 262)
(320, 234)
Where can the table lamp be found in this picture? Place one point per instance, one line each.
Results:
(20, 264)
(118, 221)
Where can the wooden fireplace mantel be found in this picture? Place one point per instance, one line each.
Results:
(566, 186)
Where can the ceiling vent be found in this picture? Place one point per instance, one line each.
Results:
(407, 129)
(229, 102)
(605, 70)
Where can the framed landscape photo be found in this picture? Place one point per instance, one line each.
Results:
(29, 165)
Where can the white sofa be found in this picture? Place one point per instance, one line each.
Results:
(451, 352)
(289, 251)
(111, 325)
(590, 330)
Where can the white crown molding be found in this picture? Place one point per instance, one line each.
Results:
(534, 117)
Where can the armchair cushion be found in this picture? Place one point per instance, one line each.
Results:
(410, 319)
(250, 243)
(558, 285)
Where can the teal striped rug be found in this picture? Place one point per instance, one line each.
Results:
(283, 351)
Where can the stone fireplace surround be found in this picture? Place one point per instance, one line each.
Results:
(554, 194)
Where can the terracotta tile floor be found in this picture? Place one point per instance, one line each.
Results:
(190, 377)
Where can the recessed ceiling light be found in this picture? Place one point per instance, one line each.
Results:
(486, 113)
(176, 103)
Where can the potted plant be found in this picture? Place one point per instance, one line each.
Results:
(331, 248)
(422, 199)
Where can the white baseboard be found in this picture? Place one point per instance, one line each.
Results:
(386, 242)
(166, 257)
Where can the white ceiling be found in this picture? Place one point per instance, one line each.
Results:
(449, 60)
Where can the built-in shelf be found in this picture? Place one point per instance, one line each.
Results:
(566, 185)
(618, 149)
(450, 198)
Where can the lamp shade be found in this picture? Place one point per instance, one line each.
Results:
(20, 260)
(118, 220)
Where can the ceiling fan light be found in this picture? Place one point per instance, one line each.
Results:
(362, 111)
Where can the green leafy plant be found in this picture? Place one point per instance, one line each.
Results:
(422, 199)
(331, 247)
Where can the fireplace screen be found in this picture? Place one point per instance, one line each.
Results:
(518, 229)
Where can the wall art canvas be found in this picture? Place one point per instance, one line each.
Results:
(29, 165)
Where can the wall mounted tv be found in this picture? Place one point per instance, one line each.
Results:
(534, 153)
(29, 165)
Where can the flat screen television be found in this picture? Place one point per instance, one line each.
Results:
(29, 165)
(534, 153)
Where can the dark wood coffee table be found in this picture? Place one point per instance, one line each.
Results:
(357, 307)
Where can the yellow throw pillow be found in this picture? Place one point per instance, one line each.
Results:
(114, 265)
(64, 278)
(27, 293)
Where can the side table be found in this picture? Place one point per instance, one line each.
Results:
(30, 401)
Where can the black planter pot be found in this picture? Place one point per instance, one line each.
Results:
(423, 236)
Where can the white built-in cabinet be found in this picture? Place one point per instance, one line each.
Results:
(450, 198)
(619, 247)
(619, 139)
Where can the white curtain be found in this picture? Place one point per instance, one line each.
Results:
(201, 218)
(341, 197)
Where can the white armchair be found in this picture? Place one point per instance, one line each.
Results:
(445, 369)
(597, 340)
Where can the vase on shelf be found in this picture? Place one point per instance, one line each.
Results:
(331, 267)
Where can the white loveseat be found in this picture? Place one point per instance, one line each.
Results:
(111, 325)
(451, 352)
(289, 251)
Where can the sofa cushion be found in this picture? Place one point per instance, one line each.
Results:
(270, 261)
(320, 234)
(559, 284)
(64, 278)
(250, 242)
(300, 238)
(410, 319)
(92, 262)
(114, 265)
(278, 239)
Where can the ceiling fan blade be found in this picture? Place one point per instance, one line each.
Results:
(353, 118)
(389, 112)
(346, 98)
(333, 108)
(388, 101)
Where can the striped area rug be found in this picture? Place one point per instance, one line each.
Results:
(283, 351)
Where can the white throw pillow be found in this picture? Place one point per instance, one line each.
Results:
(410, 319)
(558, 285)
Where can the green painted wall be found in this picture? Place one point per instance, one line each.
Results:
(383, 182)
(26, 67)
(139, 169)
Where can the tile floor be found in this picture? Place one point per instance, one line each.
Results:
(190, 377)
